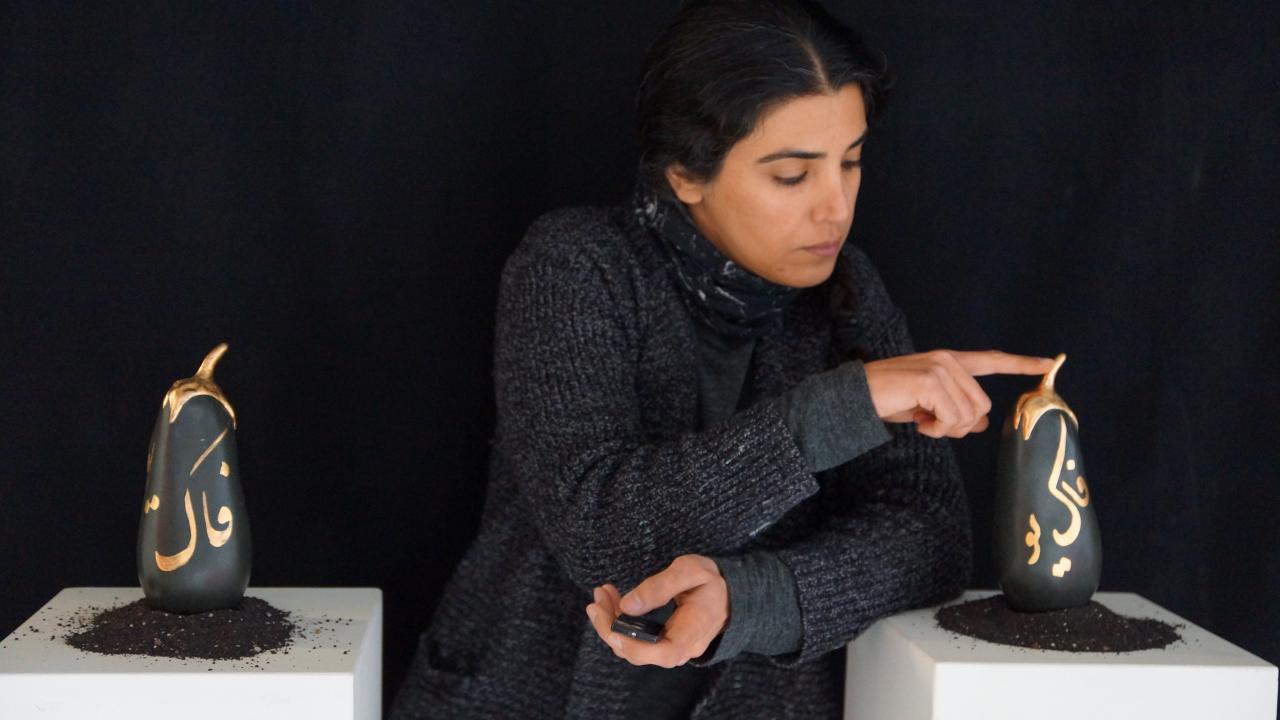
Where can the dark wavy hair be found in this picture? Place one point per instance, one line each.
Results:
(722, 65)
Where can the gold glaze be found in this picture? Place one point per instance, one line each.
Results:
(168, 563)
(1073, 530)
(152, 504)
(199, 384)
(1034, 404)
(1081, 499)
(1030, 408)
(217, 538)
(1033, 540)
(225, 470)
(208, 450)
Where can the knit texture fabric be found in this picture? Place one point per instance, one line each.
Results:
(833, 420)
(765, 607)
(599, 473)
(831, 412)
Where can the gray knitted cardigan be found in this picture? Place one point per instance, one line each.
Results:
(598, 474)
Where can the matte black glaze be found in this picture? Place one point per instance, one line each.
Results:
(213, 577)
(1022, 478)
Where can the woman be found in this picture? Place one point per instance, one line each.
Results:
(705, 396)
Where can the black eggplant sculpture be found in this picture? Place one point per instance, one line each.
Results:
(193, 540)
(1047, 545)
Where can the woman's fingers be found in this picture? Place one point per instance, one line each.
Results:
(938, 389)
(979, 403)
(691, 628)
(701, 612)
(663, 653)
(684, 573)
(991, 362)
(686, 634)
(938, 398)
(902, 417)
(602, 613)
(966, 415)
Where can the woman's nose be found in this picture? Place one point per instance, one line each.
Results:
(836, 202)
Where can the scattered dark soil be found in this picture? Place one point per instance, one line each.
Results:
(252, 627)
(1089, 628)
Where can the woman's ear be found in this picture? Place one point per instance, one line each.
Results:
(689, 191)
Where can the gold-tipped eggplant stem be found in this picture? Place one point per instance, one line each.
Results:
(199, 384)
(206, 367)
(1046, 383)
(1034, 404)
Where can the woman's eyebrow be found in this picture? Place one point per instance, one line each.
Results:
(808, 154)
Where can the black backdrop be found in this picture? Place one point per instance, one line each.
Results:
(332, 189)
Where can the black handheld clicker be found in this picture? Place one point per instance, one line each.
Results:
(639, 628)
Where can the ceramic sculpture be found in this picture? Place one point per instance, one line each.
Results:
(1047, 545)
(193, 541)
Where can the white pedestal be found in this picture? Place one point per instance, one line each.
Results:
(907, 668)
(333, 671)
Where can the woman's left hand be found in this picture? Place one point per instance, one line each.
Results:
(702, 610)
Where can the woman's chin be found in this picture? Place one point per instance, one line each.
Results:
(809, 274)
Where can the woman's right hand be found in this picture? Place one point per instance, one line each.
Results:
(937, 390)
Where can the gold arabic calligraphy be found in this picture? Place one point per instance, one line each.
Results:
(1070, 497)
(217, 537)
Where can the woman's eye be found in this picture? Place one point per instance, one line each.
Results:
(847, 164)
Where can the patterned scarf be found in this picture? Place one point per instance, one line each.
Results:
(732, 300)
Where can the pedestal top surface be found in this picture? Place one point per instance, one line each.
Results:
(332, 624)
(1198, 647)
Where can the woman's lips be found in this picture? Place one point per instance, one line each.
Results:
(827, 250)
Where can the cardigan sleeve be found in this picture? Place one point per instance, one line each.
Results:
(612, 504)
(895, 530)
(764, 612)
(833, 419)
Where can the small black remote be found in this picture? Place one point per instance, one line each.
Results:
(638, 627)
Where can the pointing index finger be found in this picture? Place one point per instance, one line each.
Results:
(991, 362)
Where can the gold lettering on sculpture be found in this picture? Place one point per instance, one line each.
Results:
(1061, 567)
(168, 563)
(1033, 540)
(1081, 499)
(217, 538)
(208, 450)
(1073, 530)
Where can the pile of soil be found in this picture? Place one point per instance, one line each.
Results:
(1088, 628)
(252, 627)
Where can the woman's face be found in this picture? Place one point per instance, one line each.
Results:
(782, 203)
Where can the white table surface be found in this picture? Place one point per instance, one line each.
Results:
(333, 667)
(905, 666)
